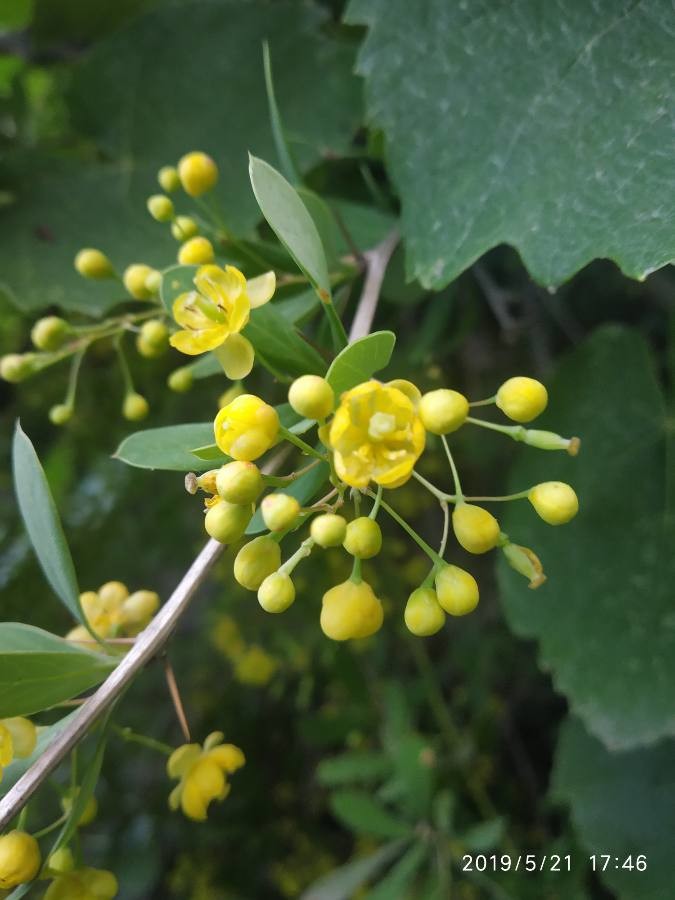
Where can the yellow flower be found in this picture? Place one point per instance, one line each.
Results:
(18, 737)
(202, 774)
(246, 428)
(213, 315)
(83, 884)
(376, 435)
(112, 611)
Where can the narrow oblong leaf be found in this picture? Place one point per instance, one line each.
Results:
(360, 360)
(167, 448)
(42, 522)
(289, 219)
(342, 883)
(281, 345)
(352, 768)
(361, 813)
(39, 669)
(399, 878)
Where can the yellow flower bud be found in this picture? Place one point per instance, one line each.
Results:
(246, 428)
(93, 264)
(61, 861)
(15, 367)
(160, 208)
(475, 528)
(183, 228)
(23, 738)
(153, 282)
(279, 511)
(181, 380)
(554, 501)
(138, 609)
(522, 399)
(311, 397)
(457, 590)
(50, 333)
(443, 411)
(134, 279)
(239, 482)
(111, 594)
(168, 179)
(83, 884)
(350, 610)
(363, 538)
(226, 522)
(19, 859)
(153, 339)
(526, 563)
(276, 593)
(198, 173)
(423, 613)
(60, 414)
(196, 252)
(255, 561)
(328, 530)
(87, 815)
(135, 407)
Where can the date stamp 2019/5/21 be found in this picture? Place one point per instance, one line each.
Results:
(552, 862)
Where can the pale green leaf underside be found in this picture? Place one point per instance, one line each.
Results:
(605, 618)
(360, 360)
(39, 669)
(167, 448)
(622, 804)
(545, 126)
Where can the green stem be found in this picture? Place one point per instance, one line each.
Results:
(282, 480)
(487, 402)
(513, 431)
(124, 366)
(520, 496)
(431, 553)
(455, 474)
(446, 529)
(356, 571)
(23, 819)
(49, 828)
(376, 505)
(302, 552)
(133, 738)
(440, 495)
(294, 439)
(74, 373)
(340, 338)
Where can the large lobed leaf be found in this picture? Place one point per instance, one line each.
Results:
(604, 618)
(542, 125)
(180, 77)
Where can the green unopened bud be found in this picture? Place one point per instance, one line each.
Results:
(168, 179)
(181, 380)
(135, 407)
(160, 208)
(134, 279)
(226, 522)
(312, 397)
(60, 414)
(50, 333)
(443, 411)
(183, 228)
(87, 815)
(153, 281)
(153, 339)
(61, 861)
(276, 593)
(92, 263)
(363, 538)
(279, 511)
(239, 482)
(525, 562)
(547, 440)
(255, 561)
(16, 367)
(328, 530)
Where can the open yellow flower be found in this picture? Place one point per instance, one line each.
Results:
(202, 774)
(376, 435)
(213, 315)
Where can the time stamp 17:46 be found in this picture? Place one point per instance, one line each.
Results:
(550, 862)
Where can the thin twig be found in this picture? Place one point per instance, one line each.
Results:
(176, 698)
(377, 261)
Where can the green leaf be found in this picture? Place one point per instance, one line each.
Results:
(355, 767)
(303, 489)
(398, 880)
(484, 836)
(39, 669)
(414, 774)
(289, 219)
(139, 116)
(19, 767)
(342, 883)
(488, 144)
(167, 448)
(360, 360)
(275, 339)
(42, 522)
(206, 366)
(176, 280)
(622, 804)
(360, 812)
(280, 141)
(604, 618)
(297, 308)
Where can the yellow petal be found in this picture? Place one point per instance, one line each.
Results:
(187, 313)
(221, 286)
(193, 803)
(181, 759)
(24, 736)
(236, 356)
(195, 342)
(228, 757)
(261, 289)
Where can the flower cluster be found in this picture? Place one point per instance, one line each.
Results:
(370, 440)
(112, 612)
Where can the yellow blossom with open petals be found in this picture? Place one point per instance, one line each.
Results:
(202, 772)
(213, 315)
(376, 435)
